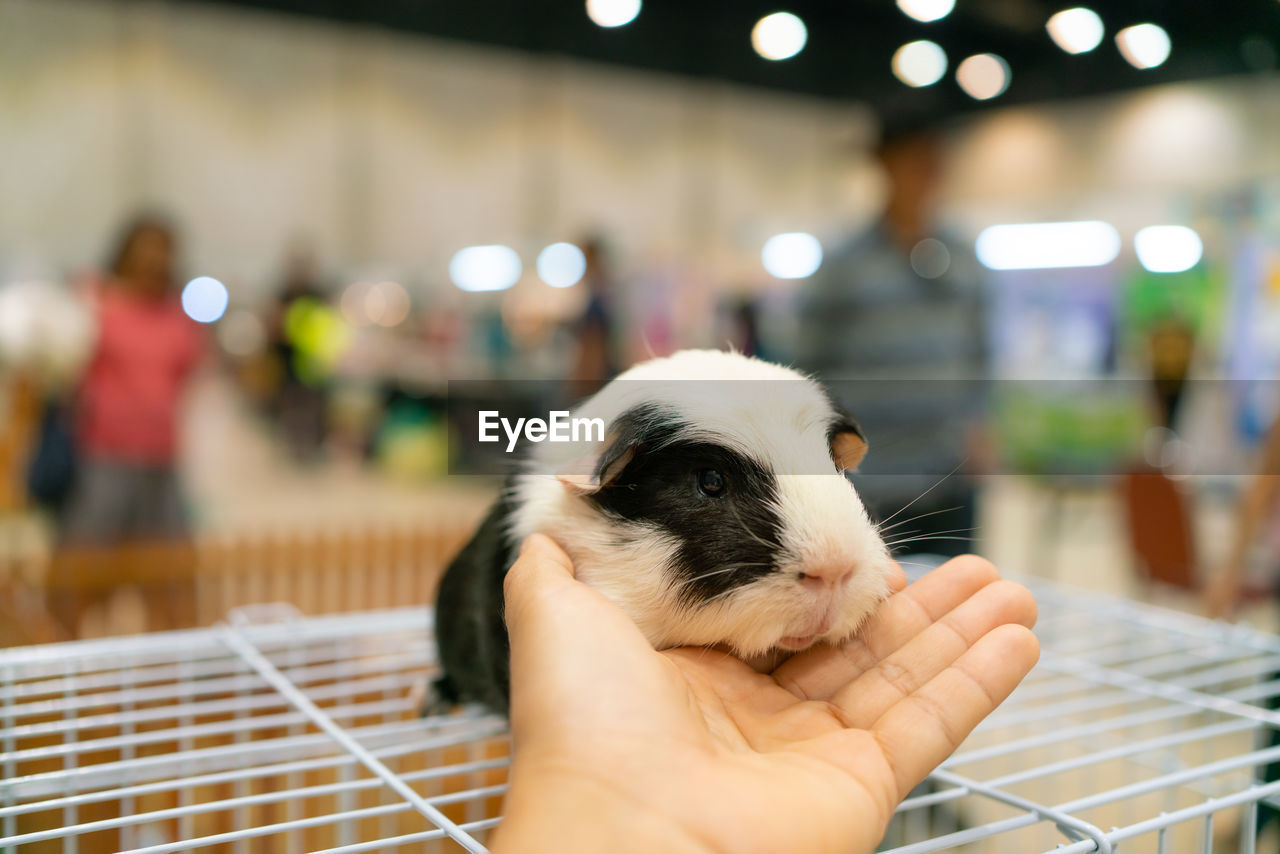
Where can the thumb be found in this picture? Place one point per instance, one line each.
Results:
(552, 617)
(542, 571)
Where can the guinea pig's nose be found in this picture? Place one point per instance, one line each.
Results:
(825, 576)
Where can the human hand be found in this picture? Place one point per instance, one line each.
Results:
(621, 748)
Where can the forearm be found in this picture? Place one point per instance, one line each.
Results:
(1254, 507)
(1256, 503)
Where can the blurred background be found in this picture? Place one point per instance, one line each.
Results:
(246, 246)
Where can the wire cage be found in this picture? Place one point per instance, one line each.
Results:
(1140, 730)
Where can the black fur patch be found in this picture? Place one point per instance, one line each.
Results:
(471, 637)
(725, 541)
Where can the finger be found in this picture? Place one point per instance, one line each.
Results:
(921, 730)
(818, 673)
(897, 579)
(940, 645)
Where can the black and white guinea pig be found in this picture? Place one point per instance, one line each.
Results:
(715, 512)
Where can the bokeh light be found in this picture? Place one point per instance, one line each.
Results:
(613, 13)
(485, 268)
(318, 335)
(1077, 30)
(1168, 248)
(779, 36)
(386, 303)
(930, 258)
(983, 76)
(793, 255)
(241, 333)
(204, 299)
(926, 10)
(1048, 245)
(1143, 45)
(352, 304)
(920, 63)
(561, 265)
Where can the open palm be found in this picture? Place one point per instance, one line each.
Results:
(692, 750)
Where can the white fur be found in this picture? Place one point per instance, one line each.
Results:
(777, 417)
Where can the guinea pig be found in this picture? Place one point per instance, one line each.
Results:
(714, 511)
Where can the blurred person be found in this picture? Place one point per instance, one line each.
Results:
(1170, 346)
(596, 359)
(902, 306)
(127, 403)
(302, 398)
(1255, 517)
(744, 326)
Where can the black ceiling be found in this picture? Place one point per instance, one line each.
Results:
(850, 41)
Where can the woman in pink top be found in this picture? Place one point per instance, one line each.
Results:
(127, 409)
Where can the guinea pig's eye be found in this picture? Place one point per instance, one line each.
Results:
(710, 483)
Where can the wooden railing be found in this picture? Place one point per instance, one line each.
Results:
(88, 592)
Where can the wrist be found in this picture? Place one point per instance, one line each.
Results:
(566, 811)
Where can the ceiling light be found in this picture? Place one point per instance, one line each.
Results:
(1048, 245)
(485, 268)
(204, 299)
(779, 36)
(919, 63)
(1143, 45)
(613, 13)
(983, 76)
(561, 265)
(1077, 30)
(1167, 248)
(794, 255)
(926, 10)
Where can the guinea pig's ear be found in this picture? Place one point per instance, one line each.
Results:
(848, 445)
(599, 467)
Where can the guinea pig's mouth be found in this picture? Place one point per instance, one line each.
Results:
(795, 643)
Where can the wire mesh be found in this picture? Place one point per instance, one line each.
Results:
(1140, 730)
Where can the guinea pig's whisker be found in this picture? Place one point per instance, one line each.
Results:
(883, 528)
(917, 563)
(738, 517)
(927, 491)
(733, 568)
(926, 539)
(903, 535)
(934, 536)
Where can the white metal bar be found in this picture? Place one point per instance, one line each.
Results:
(1178, 690)
(478, 728)
(407, 839)
(221, 757)
(269, 672)
(1165, 691)
(261, 798)
(174, 645)
(207, 707)
(1065, 822)
(240, 725)
(1062, 734)
(1020, 712)
(246, 833)
(1125, 750)
(206, 670)
(1209, 807)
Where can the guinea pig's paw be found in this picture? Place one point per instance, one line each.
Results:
(436, 700)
